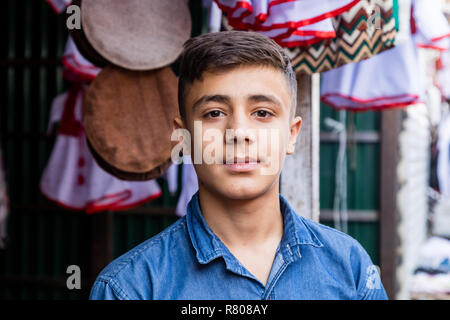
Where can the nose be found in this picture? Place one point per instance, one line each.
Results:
(238, 130)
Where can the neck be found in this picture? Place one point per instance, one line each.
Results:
(249, 222)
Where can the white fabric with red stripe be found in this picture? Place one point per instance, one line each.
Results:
(302, 36)
(73, 179)
(390, 79)
(443, 74)
(387, 80)
(290, 23)
(433, 30)
(77, 67)
(265, 15)
(441, 44)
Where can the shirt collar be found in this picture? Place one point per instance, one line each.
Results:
(208, 246)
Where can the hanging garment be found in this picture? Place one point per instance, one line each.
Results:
(266, 15)
(189, 185)
(289, 23)
(365, 30)
(432, 274)
(171, 176)
(443, 165)
(430, 27)
(76, 67)
(390, 79)
(440, 225)
(385, 81)
(443, 74)
(73, 179)
(302, 36)
(4, 203)
(59, 5)
(441, 44)
(214, 15)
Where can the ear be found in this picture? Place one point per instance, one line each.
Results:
(294, 130)
(178, 123)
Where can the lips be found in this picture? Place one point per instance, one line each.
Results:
(241, 160)
(242, 164)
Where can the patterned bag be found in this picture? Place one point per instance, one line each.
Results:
(365, 30)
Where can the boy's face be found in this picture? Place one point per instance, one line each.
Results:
(240, 121)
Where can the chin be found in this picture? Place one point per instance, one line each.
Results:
(241, 193)
(235, 186)
(240, 188)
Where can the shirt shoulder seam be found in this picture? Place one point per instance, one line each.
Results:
(320, 225)
(115, 287)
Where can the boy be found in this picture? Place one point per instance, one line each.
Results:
(239, 238)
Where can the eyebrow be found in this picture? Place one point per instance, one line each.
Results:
(265, 98)
(212, 98)
(227, 100)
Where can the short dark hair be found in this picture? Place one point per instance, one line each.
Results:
(226, 50)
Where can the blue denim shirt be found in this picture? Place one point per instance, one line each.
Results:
(188, 261)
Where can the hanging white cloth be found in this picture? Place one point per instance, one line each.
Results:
(289, 23)
(76, 67)
(189, 185)
(433, 269)
(391, 78)
(214, 15)
(433, 29)
(386, 80)
(301, 36)
(443, 74)
(443, 165)
(264, 15)
(171, 176)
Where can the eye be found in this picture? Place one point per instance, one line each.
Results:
(213, 114)
(263, 114)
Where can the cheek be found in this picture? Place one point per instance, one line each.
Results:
(275, 141)
(284, 141)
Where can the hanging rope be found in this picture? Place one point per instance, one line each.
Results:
(340, 214)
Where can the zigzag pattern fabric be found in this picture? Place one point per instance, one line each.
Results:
(365, 30)
(397, 77)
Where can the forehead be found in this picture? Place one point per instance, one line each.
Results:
(240, 82)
